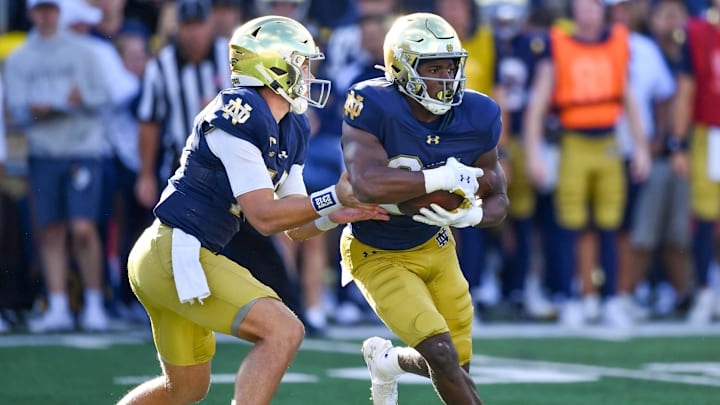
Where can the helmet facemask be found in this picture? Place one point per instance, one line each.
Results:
(415, 86)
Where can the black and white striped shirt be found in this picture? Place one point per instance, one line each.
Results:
(174, 91)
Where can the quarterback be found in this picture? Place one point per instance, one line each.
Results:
(242, 162)
(403, 136)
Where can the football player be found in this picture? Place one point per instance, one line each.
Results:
(396, 130)
(243, 162)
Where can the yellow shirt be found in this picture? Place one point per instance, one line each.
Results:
(479, 69)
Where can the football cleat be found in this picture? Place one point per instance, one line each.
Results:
(383, 387)
(52, 321)
(701, 313)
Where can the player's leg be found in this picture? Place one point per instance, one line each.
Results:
(571, 207)
(84, 201)
(394, 283)
(242, 306)
(610, 194)
(183, 333)
(47, 179)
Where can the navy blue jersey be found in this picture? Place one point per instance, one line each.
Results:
(465, 132)
(515, 62)
(202, 203)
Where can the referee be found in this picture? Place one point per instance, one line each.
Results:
(178, 83)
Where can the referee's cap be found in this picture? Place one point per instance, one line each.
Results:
(193, 10)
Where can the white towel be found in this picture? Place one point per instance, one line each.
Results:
(189, 275)
(713, 154)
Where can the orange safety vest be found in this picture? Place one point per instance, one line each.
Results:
(590, 78)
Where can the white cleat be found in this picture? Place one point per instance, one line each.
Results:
(615, 315)
(384, 387)
(701, 313)
(571, 315)
(94, 320)
(52, 321)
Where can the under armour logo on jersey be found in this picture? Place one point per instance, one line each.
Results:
(236, 110)
(442, 237)
(283, 154)
(433, 140)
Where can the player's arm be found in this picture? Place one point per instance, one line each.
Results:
(294, 187)
(493, 189)
(640, 164)
(682, 116)
(682, 113)
(254, 190)
(146, 187)
(533, 125)
(500, 94)
(374, 182)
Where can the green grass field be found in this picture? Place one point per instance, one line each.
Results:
(670, 367)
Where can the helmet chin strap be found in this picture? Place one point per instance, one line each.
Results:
(297, 105)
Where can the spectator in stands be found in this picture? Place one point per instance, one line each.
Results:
(226, 16)
(178, 83)
(662, 216)
(653, 86)
(124, 86)
(695, 149)
(591, 176)
(58, 104)
(517, 52)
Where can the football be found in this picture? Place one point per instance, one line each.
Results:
(447, 200)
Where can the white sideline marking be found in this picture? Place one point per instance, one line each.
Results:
(484, 331)
(219, 379)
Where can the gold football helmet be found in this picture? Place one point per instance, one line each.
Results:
(417, 37)
(270, 51)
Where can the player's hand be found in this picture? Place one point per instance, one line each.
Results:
(640, 164)
(536, 170)
(347, 198)
(454, 177)
(465, 177)
(347, 214)
(459, 218)
(680, 163)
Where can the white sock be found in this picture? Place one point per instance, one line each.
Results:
(58, 302)
(390, 363)
(93, 298)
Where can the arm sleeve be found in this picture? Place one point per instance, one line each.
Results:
(243, 162)
(294, 184)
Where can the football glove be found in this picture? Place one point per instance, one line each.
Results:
(459, 218)
(454, 177)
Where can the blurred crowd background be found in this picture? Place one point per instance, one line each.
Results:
(99, 95)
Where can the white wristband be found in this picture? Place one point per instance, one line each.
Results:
(324, 223)
(439, 178)
(325, 201)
